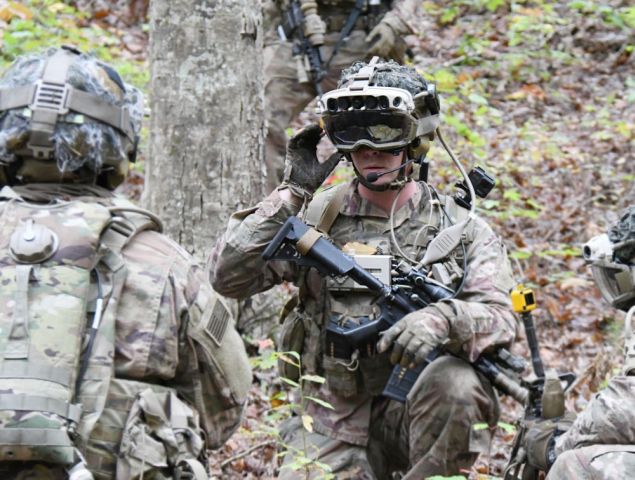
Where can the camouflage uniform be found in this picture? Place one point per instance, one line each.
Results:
(285, 97)
(366, 435)
(117, 360)
(601, 442)
(161, 348)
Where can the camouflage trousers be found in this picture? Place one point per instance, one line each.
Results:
(597, 462)
(433, 433)
(285, 97)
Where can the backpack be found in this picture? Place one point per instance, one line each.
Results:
(62, 275)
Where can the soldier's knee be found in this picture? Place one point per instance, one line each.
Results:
(567, 466)
(449, 379)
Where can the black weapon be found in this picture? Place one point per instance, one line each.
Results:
(297, 242)
(347, 28)
(293, 27)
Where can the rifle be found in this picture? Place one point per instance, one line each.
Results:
(308, 56)
(546, 395)
(299, 243)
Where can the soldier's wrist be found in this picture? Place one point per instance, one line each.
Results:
(293, 194)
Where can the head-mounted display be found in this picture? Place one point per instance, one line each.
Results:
(377, 117)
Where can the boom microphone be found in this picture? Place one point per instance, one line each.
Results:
(372, 177)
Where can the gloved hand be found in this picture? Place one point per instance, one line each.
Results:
(541, 437)
(301, 166)
(381, 40)
(414, 337)
(314, 29)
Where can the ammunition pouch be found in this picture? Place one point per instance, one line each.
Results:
(341, 376)
(291, 339)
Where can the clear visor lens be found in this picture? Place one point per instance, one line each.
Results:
(381, 130)
(616, 283)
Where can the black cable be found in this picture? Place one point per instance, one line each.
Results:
(92, 333)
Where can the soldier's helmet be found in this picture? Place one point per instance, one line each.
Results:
(66, 117)
(381, 105)
(612, 258)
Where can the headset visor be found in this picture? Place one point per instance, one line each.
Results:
(350, 130)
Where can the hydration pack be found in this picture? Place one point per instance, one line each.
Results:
(61, 276)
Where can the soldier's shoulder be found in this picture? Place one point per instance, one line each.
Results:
(158, 246)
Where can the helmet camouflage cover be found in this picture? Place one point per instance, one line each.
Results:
(622, 234)
(68, 110)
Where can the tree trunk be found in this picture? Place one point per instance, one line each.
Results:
(206, 129)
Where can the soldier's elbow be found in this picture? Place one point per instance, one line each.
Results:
(228, 284)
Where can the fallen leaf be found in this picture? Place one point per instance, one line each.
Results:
(307, 421)
(573, 282)
(15, 9)
(530, 90)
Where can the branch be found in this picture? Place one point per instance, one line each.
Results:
(246, 452)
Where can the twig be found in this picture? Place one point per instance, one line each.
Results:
(246, 452)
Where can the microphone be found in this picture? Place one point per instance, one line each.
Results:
(372, 177)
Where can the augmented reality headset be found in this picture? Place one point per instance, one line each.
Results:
(377, 117)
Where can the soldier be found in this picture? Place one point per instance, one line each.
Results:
(600, 444)
(117, 360)
(382, 130)
(377, 30)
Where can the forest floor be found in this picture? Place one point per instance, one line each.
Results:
(540, 93)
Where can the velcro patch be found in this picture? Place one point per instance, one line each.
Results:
(217, 324)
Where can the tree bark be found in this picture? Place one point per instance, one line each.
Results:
(207, 121)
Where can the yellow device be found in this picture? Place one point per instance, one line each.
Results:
(523, 299)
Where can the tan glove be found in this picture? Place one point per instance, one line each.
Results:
(414, 337)
(382, 40)
(314, 29)
(540, 440)
(301, 166)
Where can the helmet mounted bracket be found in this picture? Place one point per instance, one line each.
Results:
(50, 98)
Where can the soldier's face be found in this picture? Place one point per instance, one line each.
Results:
(367, 160)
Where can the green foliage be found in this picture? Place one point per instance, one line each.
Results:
(506, 427)
(622, 17)
(303, 458)
(40, 24)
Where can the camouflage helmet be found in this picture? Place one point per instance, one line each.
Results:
(612, 259)
(66, 116)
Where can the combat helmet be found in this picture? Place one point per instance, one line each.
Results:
(66, 117)
(384, 106)
(612, 259)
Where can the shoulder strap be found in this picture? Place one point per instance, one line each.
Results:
(454, 210)
(324, 208)
(127, 222)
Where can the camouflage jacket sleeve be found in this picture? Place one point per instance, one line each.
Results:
(173, 329)
(481, 316)
(609, 418)
(235, 266)
(400, 15)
